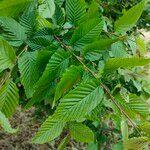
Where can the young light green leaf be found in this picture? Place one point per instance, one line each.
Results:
(70, 77)
(86, 33)
(49, 130)
(129, 18)
(8, 98)
(4, 123)
(75, 10)
(81, 132)
(115, 63)
(7, 55)
(47, 8)
(14, 32)
(145, 126)
(80, 101)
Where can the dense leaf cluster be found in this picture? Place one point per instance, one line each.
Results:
(86, 65)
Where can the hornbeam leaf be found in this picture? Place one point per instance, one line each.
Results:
(14, 32)
(115, 63)
(12, 8)
(7, 56)
(86, 33)
(4, 123)
(137, 143)
(70, 77)
(56, 65)
(130, 17)
(49, 130)
(8, 98)
(75, 10)
(80, 101)
(81, 132)
(29, 72)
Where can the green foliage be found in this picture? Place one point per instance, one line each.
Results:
(12, 8)
(126, 22)
(68, 58)
(49, 130)
(14, 32)
(7, 55)
(71, 77)
(8, 98)
(81, 132)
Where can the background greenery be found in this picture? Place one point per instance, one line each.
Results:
(82, 65)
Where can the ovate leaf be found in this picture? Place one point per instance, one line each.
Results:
(14, 32)
(4, 123)
(7, 55)
(136, 143)
(49, 130)
(86, 33)
(8, 98)
(75, 10)
(115, 63)
(29, 72)
(80, 101)
(81, 133)
(94, 51)
(139, 105)
(12, 8)
(47, 8)
(56, 65)
(70, 77)
(129, 18)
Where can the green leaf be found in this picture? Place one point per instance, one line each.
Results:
(118, 50)
(49, 130)
(14, 32)
(86, 33)
(141, 46)
(7, 56)
(4, 123)
(71, 77)
(47, 8)
(136, 143)
(99, 45)
(139, 105)
(28, 19)
(75, 10)
(115, 63)
(145, 126)
(81, 133)
(12, 8)
(29, 72)
(8, 98)
(58, 16)
(126, 22)
(79, 102)
(56, 65)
